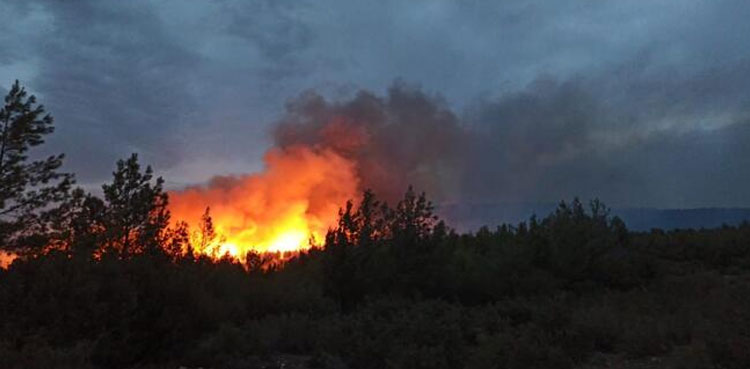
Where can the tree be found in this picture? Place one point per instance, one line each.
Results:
(29, 190)
(78, 223)
(206, 240)
(378, 249)
(349, 248)
(574, 242)
(413, 220)
(136, 215)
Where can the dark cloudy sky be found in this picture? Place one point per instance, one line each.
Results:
(637, 102)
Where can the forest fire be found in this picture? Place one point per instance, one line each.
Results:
(324, 154)
(288, 207)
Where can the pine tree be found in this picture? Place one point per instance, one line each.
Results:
(136, 216)
(29, 189)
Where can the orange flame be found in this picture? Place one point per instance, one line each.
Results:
(6, 258)
(287, 207)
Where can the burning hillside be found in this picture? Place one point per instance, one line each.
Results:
(284, 208)
(325, 154)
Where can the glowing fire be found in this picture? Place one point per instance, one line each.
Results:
(5, 259)
(285, 208)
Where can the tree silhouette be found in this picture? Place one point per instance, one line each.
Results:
(77, 224)
(29, 189)
(206, 239)
(136, 215)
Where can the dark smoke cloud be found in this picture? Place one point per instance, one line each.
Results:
(551, 141)
(631, 136)
(404, 138)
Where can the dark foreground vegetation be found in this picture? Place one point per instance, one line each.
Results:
(107, 283)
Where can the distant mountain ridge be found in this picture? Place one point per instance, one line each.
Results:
(641, 219)
(469, 217)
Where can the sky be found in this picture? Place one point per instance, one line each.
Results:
(639, 103)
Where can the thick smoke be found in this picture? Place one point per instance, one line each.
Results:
(325, 154)
(405, 138)
(551, 141)
(631, 137)
(623, 137)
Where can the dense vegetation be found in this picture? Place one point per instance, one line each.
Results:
(107, 283)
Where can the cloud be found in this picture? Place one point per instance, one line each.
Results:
(114, 81)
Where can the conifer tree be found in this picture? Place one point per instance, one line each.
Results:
(136, 215)
(29, 189)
